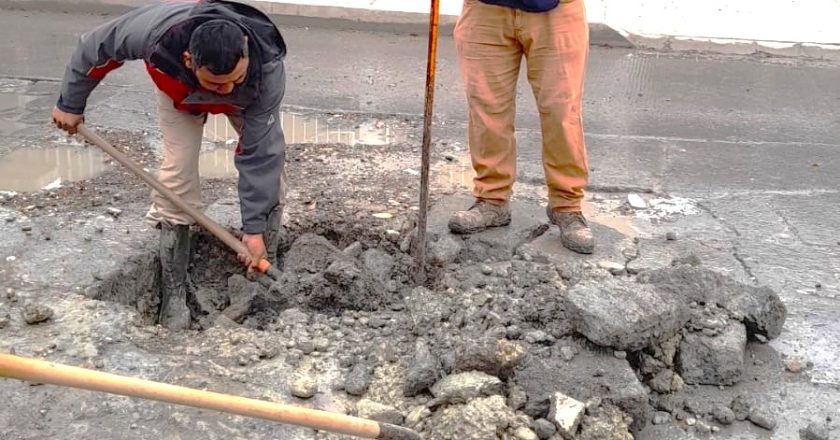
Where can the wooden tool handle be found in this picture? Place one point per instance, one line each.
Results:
(221, 233)
(32, 370)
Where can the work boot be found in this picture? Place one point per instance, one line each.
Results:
(480, 216)
(174, 281)
(273, 233)
(575, 234)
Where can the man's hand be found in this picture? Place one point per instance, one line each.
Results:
(256, 246)
(68, 122)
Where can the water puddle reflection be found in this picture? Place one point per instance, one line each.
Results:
(308, 129)
(28, 170)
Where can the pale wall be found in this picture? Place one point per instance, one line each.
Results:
(785, 21)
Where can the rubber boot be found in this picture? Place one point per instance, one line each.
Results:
(273, 233)
(174, 261)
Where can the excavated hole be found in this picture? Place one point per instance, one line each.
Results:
(217, 282)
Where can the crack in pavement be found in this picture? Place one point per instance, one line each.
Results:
(735, 252)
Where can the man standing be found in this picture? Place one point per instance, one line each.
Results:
(208, 57)
(492, 36)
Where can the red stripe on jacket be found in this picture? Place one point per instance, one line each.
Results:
(178, 92)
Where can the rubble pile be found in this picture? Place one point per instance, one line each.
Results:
(507, 348)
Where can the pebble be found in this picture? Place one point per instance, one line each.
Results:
(568, 353)
(36, 313)
(620, 354)
(670, 235)
(486, 270)
(10, 219)
(303, 386)
(661, 418)
(114, 212)
(26, 228)
(703, 428)
(724, 415)
(544, 429)
(815, 431)
(306, 346)
(794, 365)
(523, 433)
(761, 338)
(690, 421)
(762, 419)
(322, 344)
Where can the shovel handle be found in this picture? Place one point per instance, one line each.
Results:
(264, 266)
(32, 370)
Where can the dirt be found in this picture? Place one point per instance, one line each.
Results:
(347, 330)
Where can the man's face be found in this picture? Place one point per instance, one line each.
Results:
(219, 84)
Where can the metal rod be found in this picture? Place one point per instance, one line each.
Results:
(420, 242)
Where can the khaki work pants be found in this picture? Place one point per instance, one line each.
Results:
(491, 41)
(182, 134)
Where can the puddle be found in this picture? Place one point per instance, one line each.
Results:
(8, 127)
(13, 104)
(217, 163)
(28, 170)
(14, 101)
(307, 129)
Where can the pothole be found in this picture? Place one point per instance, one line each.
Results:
(493, 345)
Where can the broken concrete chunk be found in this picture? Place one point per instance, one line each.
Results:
(759, 308)
(36, 313)
(424, 371)
(724, 415)
(311, 253)
(544, 429)
(741, 406)
(480, 419)
(713, 360)
(354, 250)
(379, 263)
(489, 355)
(303, 386)
(763, 419)
(342, 272)
(666, 381)
(605, 422)
(636, 201)
(566, 414)
(616, 384)
(445, 250)
(460, 388)
(623, 314)
(368, 409)
(358, 380)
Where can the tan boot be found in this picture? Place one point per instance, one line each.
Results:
(480, 216)
(575, 234)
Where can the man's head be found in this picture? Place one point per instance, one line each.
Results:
(218, 55)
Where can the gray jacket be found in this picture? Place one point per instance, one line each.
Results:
(159, 34)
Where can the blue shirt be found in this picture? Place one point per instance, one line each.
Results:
(526, 5)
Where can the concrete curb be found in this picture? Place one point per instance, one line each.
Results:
(308, 15)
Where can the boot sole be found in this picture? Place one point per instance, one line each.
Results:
(466, 230)
(577, 248)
